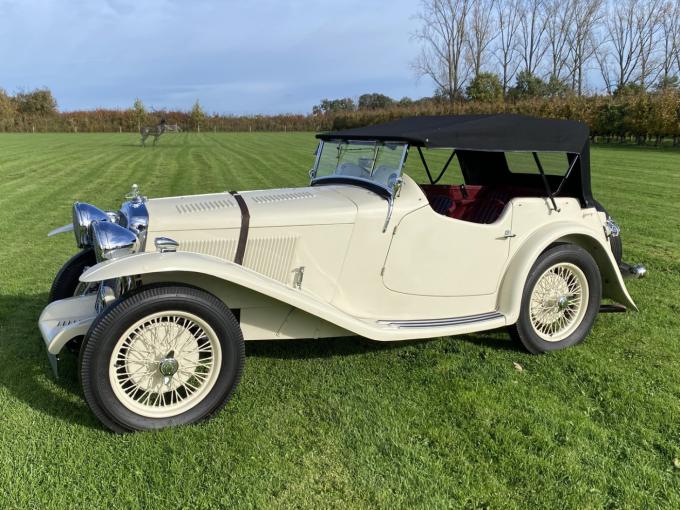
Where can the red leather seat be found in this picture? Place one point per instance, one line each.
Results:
(477, 204)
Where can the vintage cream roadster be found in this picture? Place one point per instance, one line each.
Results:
(164, 292)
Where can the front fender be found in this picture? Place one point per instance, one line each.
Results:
(146, 263)
(517, 271)
(170, 262)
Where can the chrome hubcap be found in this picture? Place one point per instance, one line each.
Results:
(168, 367)
(562, 302)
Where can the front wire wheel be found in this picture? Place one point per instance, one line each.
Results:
(161, 356)
(165, 363)
(560, 301)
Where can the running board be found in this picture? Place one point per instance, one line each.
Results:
(442, 323)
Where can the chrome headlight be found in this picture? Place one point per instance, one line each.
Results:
(111, 240)
(83, 216)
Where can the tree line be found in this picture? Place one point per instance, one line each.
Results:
(634, 117)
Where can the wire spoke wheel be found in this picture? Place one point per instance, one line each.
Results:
(165, 364)
(558, 301)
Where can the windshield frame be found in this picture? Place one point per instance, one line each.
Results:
(377, 187)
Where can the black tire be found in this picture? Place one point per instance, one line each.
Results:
(67, 279)
(524, 331)
(101, 339)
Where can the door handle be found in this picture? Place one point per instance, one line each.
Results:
(508, 234)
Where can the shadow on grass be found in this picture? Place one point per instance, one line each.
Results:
(352, 345)
(26, 372)
(320, 347)
(28, 377)
(495, 339)
(150, 146)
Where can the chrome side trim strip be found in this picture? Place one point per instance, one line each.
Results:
(450, 321)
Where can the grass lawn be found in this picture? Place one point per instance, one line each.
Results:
(346, 422)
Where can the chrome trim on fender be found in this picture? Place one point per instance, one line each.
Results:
(450, 321)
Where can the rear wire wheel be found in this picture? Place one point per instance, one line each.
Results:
(560, 301)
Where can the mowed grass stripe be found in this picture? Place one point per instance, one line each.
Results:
(343, 423)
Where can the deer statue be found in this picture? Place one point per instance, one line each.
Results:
(155, 131)
(173, 128)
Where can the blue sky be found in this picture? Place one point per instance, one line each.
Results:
(236, 57)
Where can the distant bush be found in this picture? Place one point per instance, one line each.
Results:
(629, 115)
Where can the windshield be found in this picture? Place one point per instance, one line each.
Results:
(377, 163)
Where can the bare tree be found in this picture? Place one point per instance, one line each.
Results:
(584, 39)
(618, 58)
(507, 17)
(443, 37)
(670, 34)
(558, 29)
(648, 27)
(533, 21)
(482, 32)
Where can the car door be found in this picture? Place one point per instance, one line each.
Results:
(434, 255)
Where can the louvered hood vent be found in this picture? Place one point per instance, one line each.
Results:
(267, 208)
(201, 204)
(277, 195)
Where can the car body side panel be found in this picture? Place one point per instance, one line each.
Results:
(434, 255)
(276, 252)
(262, 291)
(361, 291)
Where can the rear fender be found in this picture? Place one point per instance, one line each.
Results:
(517, 271)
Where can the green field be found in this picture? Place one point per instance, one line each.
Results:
(343, 423)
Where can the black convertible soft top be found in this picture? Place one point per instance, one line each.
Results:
(477, 140)
(500, 132)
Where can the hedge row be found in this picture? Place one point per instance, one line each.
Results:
(640, 117)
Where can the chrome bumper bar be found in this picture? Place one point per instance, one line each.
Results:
(632, 271)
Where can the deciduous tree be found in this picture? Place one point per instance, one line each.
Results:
(443, 36)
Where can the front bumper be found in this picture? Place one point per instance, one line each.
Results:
(64, 320)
